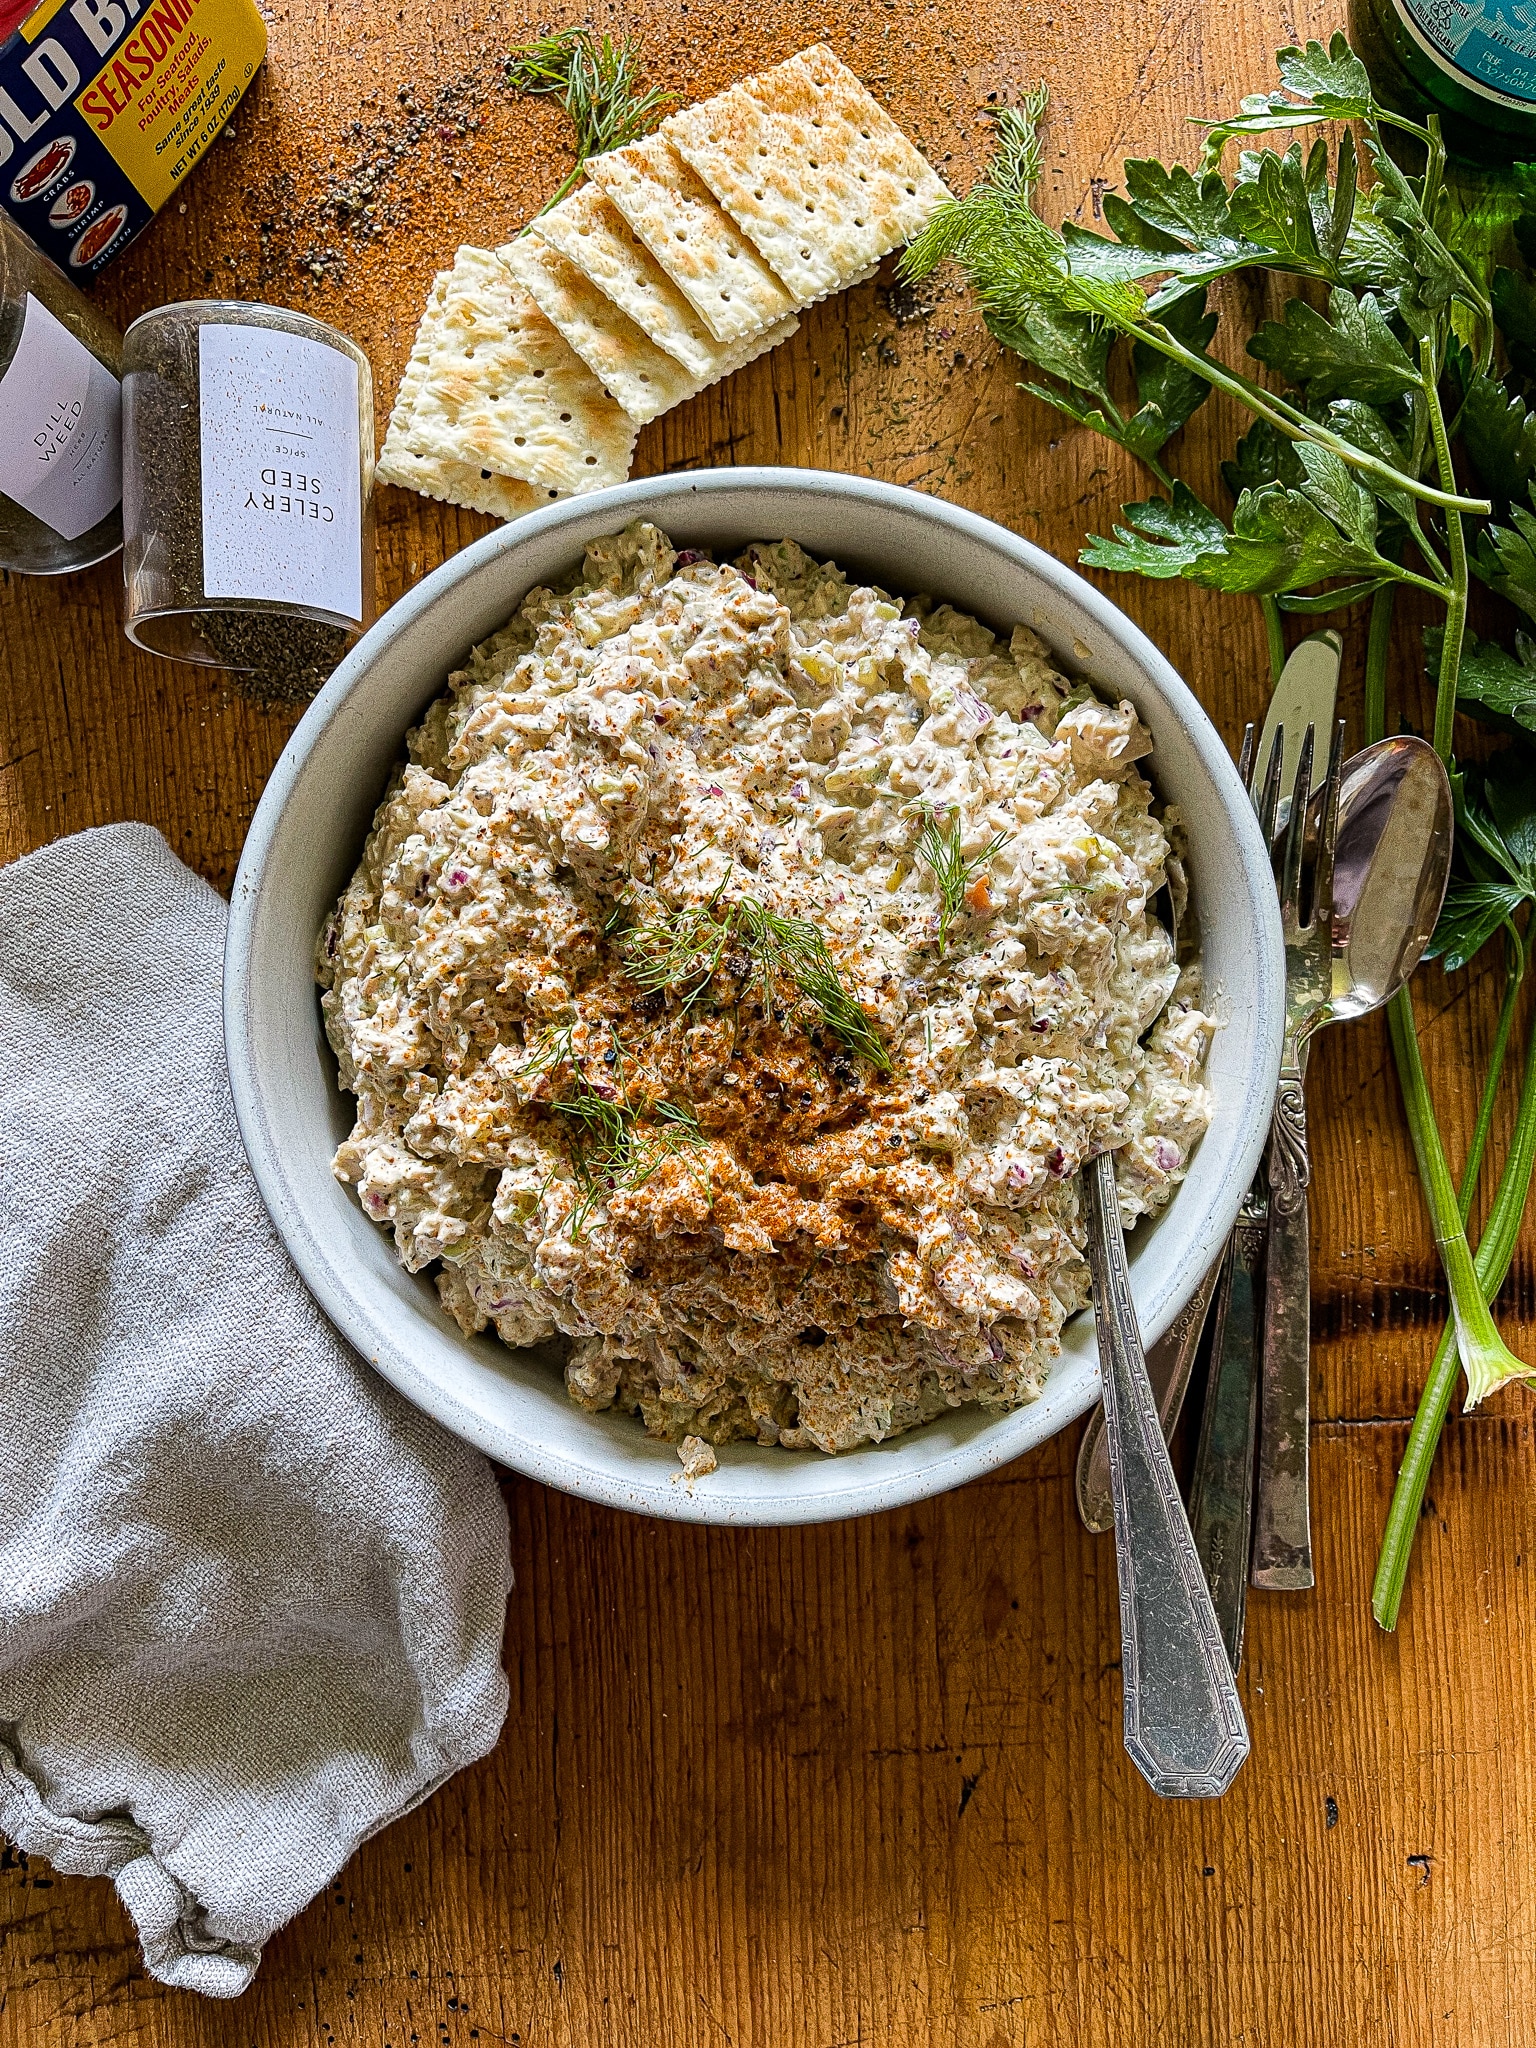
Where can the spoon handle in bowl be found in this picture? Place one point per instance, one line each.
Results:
(1184, 1725)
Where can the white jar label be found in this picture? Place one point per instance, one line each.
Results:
(282, 509)
(61, 434)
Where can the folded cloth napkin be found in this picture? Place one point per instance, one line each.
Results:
(251, 1602)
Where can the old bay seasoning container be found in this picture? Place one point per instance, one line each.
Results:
(247, 491)
(60, 418)
(106, 105)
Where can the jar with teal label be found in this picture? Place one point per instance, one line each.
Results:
(1472, 62)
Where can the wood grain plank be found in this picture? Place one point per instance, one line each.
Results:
(864, 1784)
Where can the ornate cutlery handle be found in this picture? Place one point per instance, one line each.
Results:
(1184, 1725)
(1282, 1544)
(1290, 1165)
(1169, 1365)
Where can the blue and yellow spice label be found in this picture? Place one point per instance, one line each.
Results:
(106, 105)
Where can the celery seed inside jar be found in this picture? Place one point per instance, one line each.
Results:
(247, 492)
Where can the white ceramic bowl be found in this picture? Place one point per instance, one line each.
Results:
(304, 844)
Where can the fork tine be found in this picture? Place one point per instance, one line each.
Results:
(1296, 831)
(1269, 801)
(1245, 762)
(1328, 830)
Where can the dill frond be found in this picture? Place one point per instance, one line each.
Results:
(680, 953)
(1020, 269)
(613, 1147)
(938, 847)
(596, 78)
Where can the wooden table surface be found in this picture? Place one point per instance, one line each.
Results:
(858, 1784)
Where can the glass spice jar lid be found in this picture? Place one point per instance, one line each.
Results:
(247, 492)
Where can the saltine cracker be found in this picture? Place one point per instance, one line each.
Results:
(712, 263)
(589, 231)
(811, 168)
(453, 483)
(503, 388)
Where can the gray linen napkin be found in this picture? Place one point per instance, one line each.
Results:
(251, 1602)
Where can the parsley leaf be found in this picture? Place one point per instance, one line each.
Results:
(1072, 346)
(1437, 276)
(1179, 206)
(1128, 227)
(1333, 490)
(1164, 387)
(1334, 85)
(1274, 209)
(1263, 456)
(1364, 427)
(1492, 683)
(1282, 540)
(1177, 223)
(1352, 353)
(1097, 260)
(1514, 313)
(1334, 232)
(1334, 80)
(1373, 259)
(1161, 538)
(1507, 794)
(1506, 559)
(1469, 917)
(1500, 437)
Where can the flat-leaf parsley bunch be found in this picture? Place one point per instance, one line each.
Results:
(1394, 443)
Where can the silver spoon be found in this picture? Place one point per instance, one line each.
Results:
(1391, 862)
(1184, 1725)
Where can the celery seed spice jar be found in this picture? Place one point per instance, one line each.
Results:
(247, 492)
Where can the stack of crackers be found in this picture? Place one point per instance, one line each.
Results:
(683, 257)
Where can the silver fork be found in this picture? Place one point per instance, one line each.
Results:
(1282, 1542)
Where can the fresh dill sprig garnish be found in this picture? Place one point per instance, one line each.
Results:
(938, 846)
(613, 1147)
(681, 952)
(596, 78)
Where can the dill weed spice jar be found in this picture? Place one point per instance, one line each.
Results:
(247, 492)
(60, 432)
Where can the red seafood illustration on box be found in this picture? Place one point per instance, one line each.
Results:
(74, 201)
(44, 170)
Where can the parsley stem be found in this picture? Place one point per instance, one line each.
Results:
(1487, 1358)
(1456, 546)
(1494, 1256)
(1378, 648)
(1295, 425)
(1514, 977)
(1274, 627)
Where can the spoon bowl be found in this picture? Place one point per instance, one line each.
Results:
(1392, 860)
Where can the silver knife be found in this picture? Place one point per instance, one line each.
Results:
(1221, 1497)
(1304, 694)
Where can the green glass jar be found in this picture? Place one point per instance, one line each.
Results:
(1472, 62)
